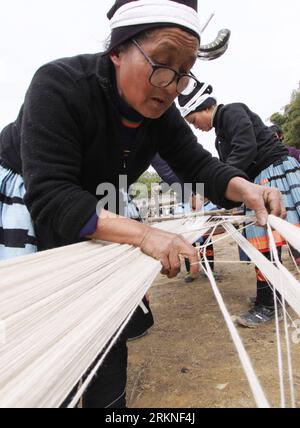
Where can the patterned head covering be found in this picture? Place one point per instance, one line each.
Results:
(198, 100)
(130, 17)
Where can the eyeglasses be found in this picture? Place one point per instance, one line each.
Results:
(162, 76)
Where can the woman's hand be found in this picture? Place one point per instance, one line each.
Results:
(167, 247)
(163, 246)
(263, 200)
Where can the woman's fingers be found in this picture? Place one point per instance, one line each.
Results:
(174, 263)
(167, 248)
(171, 259)
(270, 202)
(190, 252)
(264, 201)
(261, 199)
(261, 216)
(275, 202)
(164, 260)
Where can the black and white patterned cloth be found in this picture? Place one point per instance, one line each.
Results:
(17, 237)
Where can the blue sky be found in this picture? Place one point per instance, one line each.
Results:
(260, 68)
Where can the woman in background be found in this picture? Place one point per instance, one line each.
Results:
(245, 142)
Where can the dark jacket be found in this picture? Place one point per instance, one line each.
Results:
(244, 141)
(294, 152)
(164, 171)
(65, 142)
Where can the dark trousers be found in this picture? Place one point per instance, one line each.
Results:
(265, 295)
(295, 253)
(108, 387)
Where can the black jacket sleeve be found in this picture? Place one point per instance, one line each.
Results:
(164, 171)
(52, 155)
(240, 135)
(191, 162)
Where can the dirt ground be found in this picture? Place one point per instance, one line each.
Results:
(188, 360)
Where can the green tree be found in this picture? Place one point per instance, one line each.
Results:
(289, 120)
(148, 178)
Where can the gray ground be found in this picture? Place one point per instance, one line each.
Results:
(188, 359)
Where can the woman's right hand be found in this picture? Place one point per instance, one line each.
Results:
(163, 246)
(167, 247)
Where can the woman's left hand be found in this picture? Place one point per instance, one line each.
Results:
(263, 200)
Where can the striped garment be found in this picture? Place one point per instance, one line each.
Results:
(17, 237)
(285, 176)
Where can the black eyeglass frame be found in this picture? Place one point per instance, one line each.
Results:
(177, 76)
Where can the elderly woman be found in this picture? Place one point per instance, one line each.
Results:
(245, 142)
(87, 120)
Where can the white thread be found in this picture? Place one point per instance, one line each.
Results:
(63, 306)
(288, 347)
(290, 232)
(278, 338)
(256, 388)
(292, 286)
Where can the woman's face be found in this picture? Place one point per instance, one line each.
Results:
(172, 47)
(201, 119)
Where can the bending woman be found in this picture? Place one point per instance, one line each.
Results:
(89, 119)
(243, 141)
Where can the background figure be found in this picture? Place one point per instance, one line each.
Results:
(187, 202)
(169, 178)
(295, 153)
(208, 206)
(277, 131)
(243, 141)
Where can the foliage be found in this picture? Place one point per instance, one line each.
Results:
(289, 120)
(149, 178)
